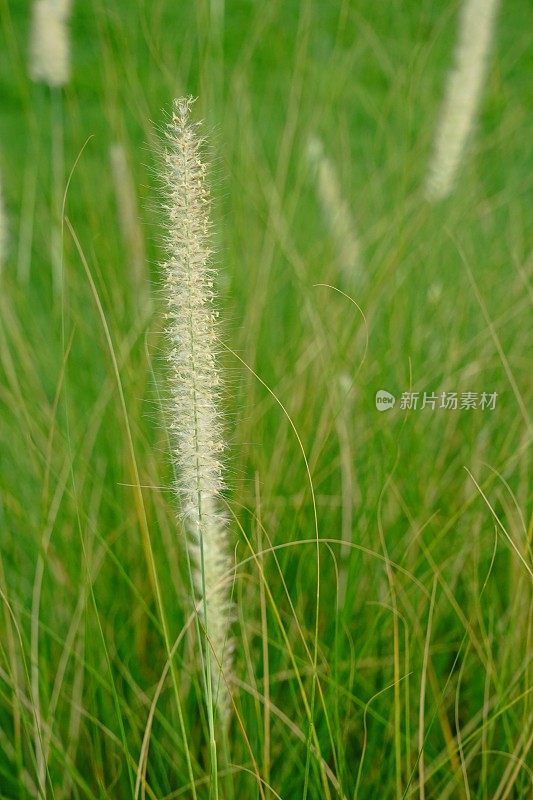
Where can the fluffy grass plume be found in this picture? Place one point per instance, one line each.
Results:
(49, 42)
(195, 414)
(336, 211)
(463, 93)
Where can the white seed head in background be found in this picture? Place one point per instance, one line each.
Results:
(195, 417)
(336, 212)
(49, 42)
(463, 93)
(434, 293)
(130, 223)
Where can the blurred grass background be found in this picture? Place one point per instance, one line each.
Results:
(428, 587)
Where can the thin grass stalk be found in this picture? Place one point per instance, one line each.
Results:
(3, 228)
(27, 217)
(58, 182)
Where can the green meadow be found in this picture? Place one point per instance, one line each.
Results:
(381, 564)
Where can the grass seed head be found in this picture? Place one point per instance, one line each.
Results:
(195, 404)
(49, 42)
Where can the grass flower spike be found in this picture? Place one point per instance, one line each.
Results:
(49, 44)
(195, 413)
(336, 212)
(129, 223)
(463, 93)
